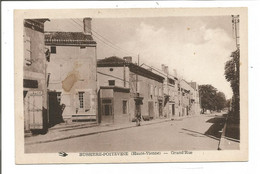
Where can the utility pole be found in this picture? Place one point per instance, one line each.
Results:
(236, 57)
(235, 23)
(137, 75)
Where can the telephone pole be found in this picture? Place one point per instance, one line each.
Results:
(236, 58)
(137, 76)
(235, 23)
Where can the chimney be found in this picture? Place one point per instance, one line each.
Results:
(166, 69)
(128, 59)
(87, 26)
(175, 72)
(163, 67)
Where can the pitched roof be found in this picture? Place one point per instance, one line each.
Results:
(119, 62)
(35, 24)
(112, 59)
(68, 39)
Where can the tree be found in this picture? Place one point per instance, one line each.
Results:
(228, 103)
(232, 69)
(207, 96)
(220, 100)
(211, 99)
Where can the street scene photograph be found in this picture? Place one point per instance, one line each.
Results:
(131, 84)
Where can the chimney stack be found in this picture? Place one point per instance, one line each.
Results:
(165, 69)
(87, 26)
(128, 59)
(175, 72)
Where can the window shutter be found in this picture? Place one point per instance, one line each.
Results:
(87, 101)
(151, 89)
(35, 110)
(27, 48)
(77, 101)
(138, 87)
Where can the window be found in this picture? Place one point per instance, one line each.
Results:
(81, 99)
(160, 91)
(59, 97)
(171, 81)
(106, 107)
(124, 107)
(111, 82)
(138, 87)
(155, 91)
(151, 89)
(53, 50)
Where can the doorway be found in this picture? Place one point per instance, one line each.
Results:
(173, 109)
(160, 109)
(107, 110)
(55, 108)
(150, 109)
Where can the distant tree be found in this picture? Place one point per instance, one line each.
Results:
(207, 95)
(220, 100)
(228, 103)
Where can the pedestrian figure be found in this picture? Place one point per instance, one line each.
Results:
(138, 119)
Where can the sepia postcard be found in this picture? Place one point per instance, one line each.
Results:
(131, 85)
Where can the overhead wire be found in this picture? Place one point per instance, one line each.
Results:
(104, 40)
(108, 40)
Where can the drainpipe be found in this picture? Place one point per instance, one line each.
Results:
(124, 76)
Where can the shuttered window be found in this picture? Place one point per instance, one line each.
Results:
(155, 91)
(160, 91)
(27, 49)
(35, 110)
(151, 90)
(139, 87)
(84, 101)
(124, 106)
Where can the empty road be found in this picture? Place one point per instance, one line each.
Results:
(195, 133)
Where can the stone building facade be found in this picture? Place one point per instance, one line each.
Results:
(72, 79)
(34, 76)
(128, 89)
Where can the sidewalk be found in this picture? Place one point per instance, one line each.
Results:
(228, 144)
(63, 132)
(227, 140)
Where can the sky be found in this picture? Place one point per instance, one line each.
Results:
(197, 47)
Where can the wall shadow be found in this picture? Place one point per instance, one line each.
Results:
(233, 129)
(55, 110)
(215, 130)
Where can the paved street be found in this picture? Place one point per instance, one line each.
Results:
(194, 133)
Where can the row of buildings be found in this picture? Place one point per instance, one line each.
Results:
(65, 81)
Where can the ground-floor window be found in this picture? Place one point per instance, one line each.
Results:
(173, 109)
(81, 99)
(124, 106)
(160, 109)
(107, 107)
